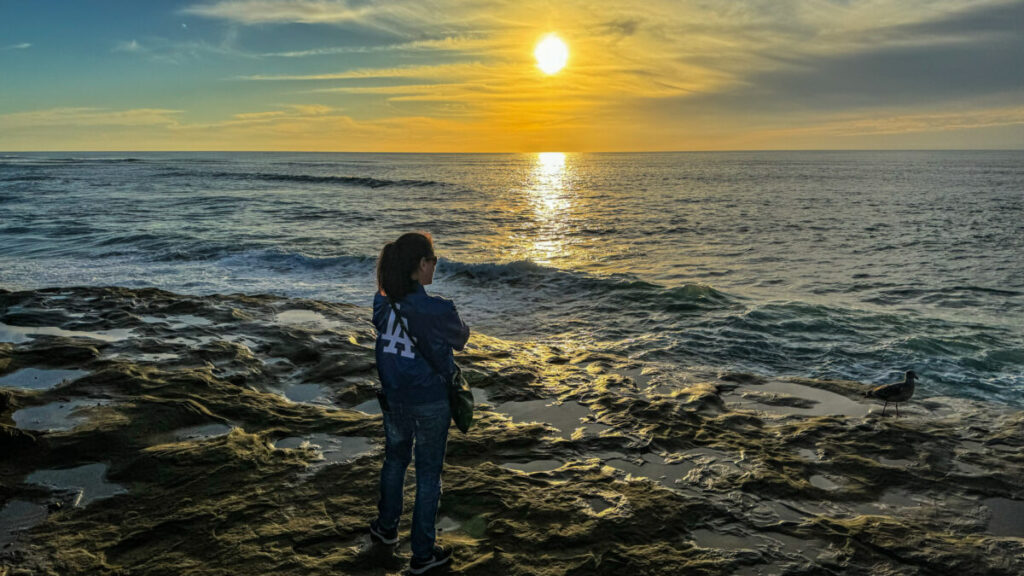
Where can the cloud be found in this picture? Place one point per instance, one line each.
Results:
(129, 46)
(462, 44)
(89, 117)
(167, 51)
(962, 54)
(434, 71)
(906, 123)
(280, 11)
(22, 46)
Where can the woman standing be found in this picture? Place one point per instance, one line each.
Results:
(411, 324)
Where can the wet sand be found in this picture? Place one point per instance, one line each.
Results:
(146, 432)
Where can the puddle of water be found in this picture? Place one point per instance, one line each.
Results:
(1007, 517)
(891, 502)
(969, 469)
(55, 416)
(156, 357)
(371, 406)
(306, 319)
(652, 467)
(792, 544)
(534, 465)
(201, 432)
(566, 417)
(972, 447)
(822, 482)
(179, 321)
(710, 539)
(191, 340)
(333, 449)
(89, 481)
(783, 512)
(895, 462)
(18, 334)
(808, 454)
(39, 379)
(50, 312)
(827, 403)
(900, 498)
(598, 504)
(309, 394)
(447, 524)
(479, 396)
(17, 516)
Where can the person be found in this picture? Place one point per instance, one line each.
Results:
(415, 396)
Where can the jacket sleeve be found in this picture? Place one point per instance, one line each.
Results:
(454, 330)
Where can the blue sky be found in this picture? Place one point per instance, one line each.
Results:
(453, 75)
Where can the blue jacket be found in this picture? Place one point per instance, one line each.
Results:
(435, 324)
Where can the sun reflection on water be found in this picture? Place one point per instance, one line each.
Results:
(550, 192)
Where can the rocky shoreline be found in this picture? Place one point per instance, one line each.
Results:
(146, 432)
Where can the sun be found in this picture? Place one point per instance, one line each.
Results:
(551, 53)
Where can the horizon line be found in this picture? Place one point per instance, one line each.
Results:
(95, 151)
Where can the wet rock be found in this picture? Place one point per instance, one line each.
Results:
(14, 440)
(679, 477)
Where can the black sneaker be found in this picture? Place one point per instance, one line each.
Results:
(442, 556)
(386, 537)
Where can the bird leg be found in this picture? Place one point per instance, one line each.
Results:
(884, 407)
(897, 409)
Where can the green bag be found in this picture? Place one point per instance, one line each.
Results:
(460, 397)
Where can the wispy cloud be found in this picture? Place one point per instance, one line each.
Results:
(279, 11)
(89, 117)
(129, 46)
(432, 71)
(903, 123)
(22, 46)
(169, 51)
(451, 43)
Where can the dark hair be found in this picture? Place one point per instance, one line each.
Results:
(398, 260)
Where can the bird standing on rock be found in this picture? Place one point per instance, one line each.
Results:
(896, 392)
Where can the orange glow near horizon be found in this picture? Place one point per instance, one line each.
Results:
(506, 77)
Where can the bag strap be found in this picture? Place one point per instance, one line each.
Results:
(405, 330)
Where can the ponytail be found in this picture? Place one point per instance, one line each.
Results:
(399, 260)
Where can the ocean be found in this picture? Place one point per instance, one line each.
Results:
(832, 265)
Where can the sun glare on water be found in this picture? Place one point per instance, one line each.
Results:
(551, 54)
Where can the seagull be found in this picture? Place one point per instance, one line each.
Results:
(896, 392)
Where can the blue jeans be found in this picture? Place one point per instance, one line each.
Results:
(426, 427)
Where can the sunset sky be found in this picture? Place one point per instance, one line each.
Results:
(460, 76)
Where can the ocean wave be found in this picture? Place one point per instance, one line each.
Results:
(88, 160)
(27, 178)
(955, 297)
(602, 292)
(362, 181)
(520, 280)
(293, 261)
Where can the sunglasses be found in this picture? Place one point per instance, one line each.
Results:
(432, 259)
